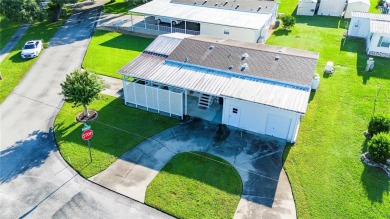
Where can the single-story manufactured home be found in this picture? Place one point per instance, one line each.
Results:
(332, 7)
(307, 7)
(255, 87)
(248, 21)
(356, 5)
(375, 29)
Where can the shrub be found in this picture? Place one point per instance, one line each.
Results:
(288, 21)
(378, 124)
(379, 147)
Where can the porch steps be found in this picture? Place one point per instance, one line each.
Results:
(205, 101)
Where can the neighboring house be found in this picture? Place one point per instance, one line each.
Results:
(356, 5)
(242, 20)
(260, 88)
(332, 7)
(375, 28)
(307, 7)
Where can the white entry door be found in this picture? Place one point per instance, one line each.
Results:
(278, 126)
(234, 116)
(355, 29)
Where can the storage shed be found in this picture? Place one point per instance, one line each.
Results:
(259, 88)
(307, 7)
(356, 5)
(332, 7)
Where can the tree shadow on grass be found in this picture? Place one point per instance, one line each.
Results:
(281, 32)
(375, 183)
(25, 155)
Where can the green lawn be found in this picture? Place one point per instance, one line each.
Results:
(117, 129)
(110, 51)
(193, 186)
(327, 177)
(13, 67)
(7, 30)
(118, 7)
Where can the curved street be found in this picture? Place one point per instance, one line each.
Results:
(35, 182)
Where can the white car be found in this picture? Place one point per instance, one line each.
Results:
(167, 20)
(31, 49)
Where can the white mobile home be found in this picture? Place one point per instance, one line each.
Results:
(356, 5)
(332, 7)
(259, 88)
(242, 20)
(307, 7)
(375, 29)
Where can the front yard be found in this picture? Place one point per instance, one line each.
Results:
(117, 129)
(194, 185)
(110, 51)
(324, 168)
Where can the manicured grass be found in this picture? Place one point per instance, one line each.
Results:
(7, 30)
(327, 177)
(110, 51)
(13, 67)
(196, 185)
(117, 129)
(118, 7)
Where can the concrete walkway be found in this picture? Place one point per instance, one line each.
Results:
(13, 41)
(257, 158)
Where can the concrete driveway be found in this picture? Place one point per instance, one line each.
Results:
(35, 182)
(257, 158)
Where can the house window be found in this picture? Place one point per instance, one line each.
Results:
(384, 42)
(226, 31)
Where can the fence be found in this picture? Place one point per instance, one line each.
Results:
(162, 29)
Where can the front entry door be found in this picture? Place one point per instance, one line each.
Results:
(234, 116)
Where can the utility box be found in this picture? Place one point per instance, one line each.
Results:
(370, 64)
(315, 83)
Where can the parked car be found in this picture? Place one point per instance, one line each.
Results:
(167, 20)
(32, 49)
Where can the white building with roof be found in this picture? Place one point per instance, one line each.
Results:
(307, 7)
(243, 20)
(375, 29)
(332, 7)
(259, 88)
(356, 5)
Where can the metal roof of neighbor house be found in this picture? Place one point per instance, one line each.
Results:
(379, 26)
(231, 18)
(382, 17)
(264, 61)
(255, 6)
(153, 66)
(166, 43)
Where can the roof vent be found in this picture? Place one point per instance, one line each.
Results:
(258, 9)
(277, 58)
(238, 5)
(244, 56)
(230, 67)
(211, 47)
(186, 59)
(225, 3)
(205, 1)
(216, 4)
(244, 67)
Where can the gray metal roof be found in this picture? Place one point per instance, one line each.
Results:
(380, 26)
(264, 61)
(152, 67)
(382, 17)
(231, 18)
(165, 44)
(238, 5)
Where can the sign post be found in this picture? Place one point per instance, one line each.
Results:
(86, 135)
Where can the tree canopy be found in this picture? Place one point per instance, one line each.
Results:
(22, 10)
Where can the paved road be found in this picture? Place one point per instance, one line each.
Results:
(13, 41)
(34, 180)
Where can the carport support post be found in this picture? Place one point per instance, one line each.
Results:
(185, 26)
(171, 26)
(145, 21)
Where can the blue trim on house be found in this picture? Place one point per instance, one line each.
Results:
(236, 75)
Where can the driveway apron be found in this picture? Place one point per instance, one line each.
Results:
(257, 158)
(35, 182)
